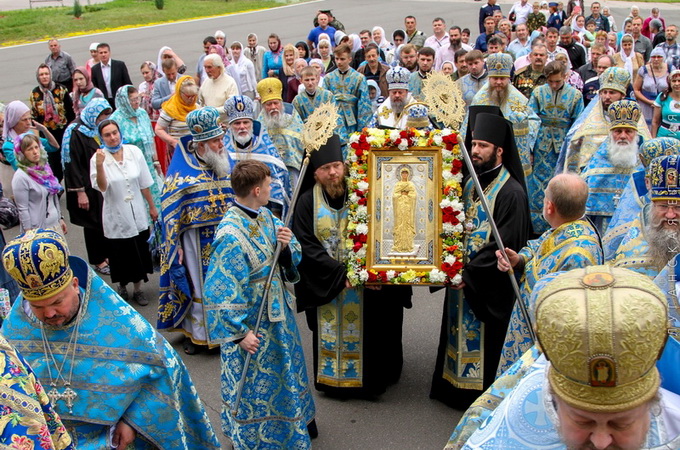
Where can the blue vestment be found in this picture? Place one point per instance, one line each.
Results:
(557, 111)
(288, 140)
(194, 200)
(572, 245)
(123, 370)
(632, 252)
(351, 95)
(277, 404)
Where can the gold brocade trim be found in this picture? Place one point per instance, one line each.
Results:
(21, 403)
(92, 352)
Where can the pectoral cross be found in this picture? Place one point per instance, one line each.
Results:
(69, 396)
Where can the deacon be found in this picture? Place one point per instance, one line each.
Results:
(313, 95)
(610, 168)
(476, 313)
(392, 113)
(246, 139)
(277, 405)
(350, 90)
(195, 197)
(654, 239)
(514, 106)
(113, 379)
(356, 331)
(558, 105)
(283, 125)
(591, 128)
(630, 210)
(571, 242)
(597, 384)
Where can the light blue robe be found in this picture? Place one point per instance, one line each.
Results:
(572, 245)
(305, 104)
(557, 112)
(633, 199)
(469, 86)
(124, 369)
(606, 183)
(351, 96)
(415, 86)
(277, 404)
(632, 252)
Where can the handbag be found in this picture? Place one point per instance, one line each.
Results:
(9, 213)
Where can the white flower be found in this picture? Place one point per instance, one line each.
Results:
(362, 185)
(403, 145)
(457, 279)
(446, 131)
(448, 228)
(458, 177)
(450, 259)
(458, 228)
(362, 228)
(394, 135)
(363, 275)
(446, 154)
(354, 138)
(437, 276)
(456, 205)
(445, 203)
(353, 198)
(461, 216)
(391, 274)
(447, 175)
(361, 253)
(370, 139)
(353, 157)
(437, 139)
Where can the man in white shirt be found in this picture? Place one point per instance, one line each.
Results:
(439, 38)
(521, 9)
(448, 52)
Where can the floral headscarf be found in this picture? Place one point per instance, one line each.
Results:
(51, 114)
(175, 106)
(219, 50)
(87, 125)
(40, 172)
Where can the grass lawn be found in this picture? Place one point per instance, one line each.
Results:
(40, 23)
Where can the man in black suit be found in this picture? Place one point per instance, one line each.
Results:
(109, 74)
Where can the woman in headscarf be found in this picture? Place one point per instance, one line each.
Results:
(628, 58)
(83, 90)
(135, 126)
(355, 42)
(379, 38)
(303, 50)
(229, 68)
(51, 106)
(18, 121)
(168, 53)
(172, 126)
(84, 203)
(36, 189)
(273, 58)
(326, 55)
(295, 83)
(318, 65)
(247, 81)
(120, 173)
(218, 87)
(148, 70)
(287, 72)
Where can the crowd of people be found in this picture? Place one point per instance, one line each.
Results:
(572, 123)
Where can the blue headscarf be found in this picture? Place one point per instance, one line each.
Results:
(87, 125)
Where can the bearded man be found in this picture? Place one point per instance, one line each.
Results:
(630, 211)
(514, 106)
(591, 128)
(476, 313)
(283, 124)
(425, 64)
(246, 139)
(611, 166)
(476, 77)
(391, 113)
(114, 380)
(653, 240)
(356, 331)
(196, 195)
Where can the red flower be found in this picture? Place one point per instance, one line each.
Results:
(359, 152)
(361, 238)
(456, 166)
(362, 201)
(359, 192)
(357, 246)
(403, 134)
(372, 277)
(448, 214)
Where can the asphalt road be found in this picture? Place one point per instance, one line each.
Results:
(404, 417)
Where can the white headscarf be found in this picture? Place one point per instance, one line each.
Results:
(159, 66)
(628, 60)
(384, 42)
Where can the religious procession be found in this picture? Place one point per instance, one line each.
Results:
(527, 172)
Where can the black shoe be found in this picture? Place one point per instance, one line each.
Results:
(312, 429)
(140, 298)
(122, 291)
